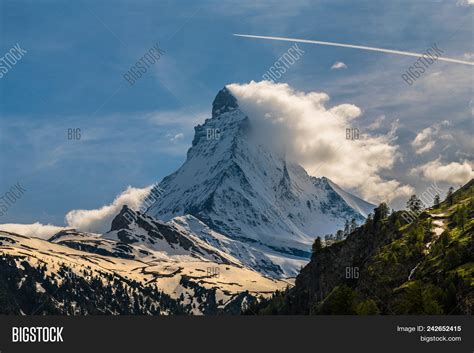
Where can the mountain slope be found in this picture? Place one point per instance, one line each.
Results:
(95, 243)
(243, 189)
(247, 255)
(165, 284)
(137, 235)
(390, 266)
(140, 230)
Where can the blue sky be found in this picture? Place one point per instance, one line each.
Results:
(77, 53)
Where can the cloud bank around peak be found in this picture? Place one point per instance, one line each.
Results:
(315, 136)
(99, 220)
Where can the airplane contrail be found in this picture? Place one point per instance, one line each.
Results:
(362, 47)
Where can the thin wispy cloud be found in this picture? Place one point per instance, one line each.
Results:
(377, 123)
(352, 46)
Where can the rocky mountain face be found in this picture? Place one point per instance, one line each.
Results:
(390, 266)
(243, 189)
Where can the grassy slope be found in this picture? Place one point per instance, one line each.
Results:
(425, 267)
(442, 281)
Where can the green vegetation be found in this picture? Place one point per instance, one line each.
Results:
(421, 264)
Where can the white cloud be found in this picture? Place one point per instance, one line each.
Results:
(37, 230)
(425, 139)
(315, 137)
(92, 221)
(454, 172)
(338, 65)
(465, 2)
(99, 220)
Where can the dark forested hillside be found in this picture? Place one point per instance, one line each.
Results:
(393, 264)
(68, 289)
(28, 290)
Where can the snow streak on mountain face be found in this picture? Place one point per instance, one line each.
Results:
(240, 187)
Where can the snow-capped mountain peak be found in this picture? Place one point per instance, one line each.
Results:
(240, 187)
(224, 102)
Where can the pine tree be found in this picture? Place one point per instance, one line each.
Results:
(380, 212)
(436, 201)
(414, 204)
(317, 246)
(449, 196)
